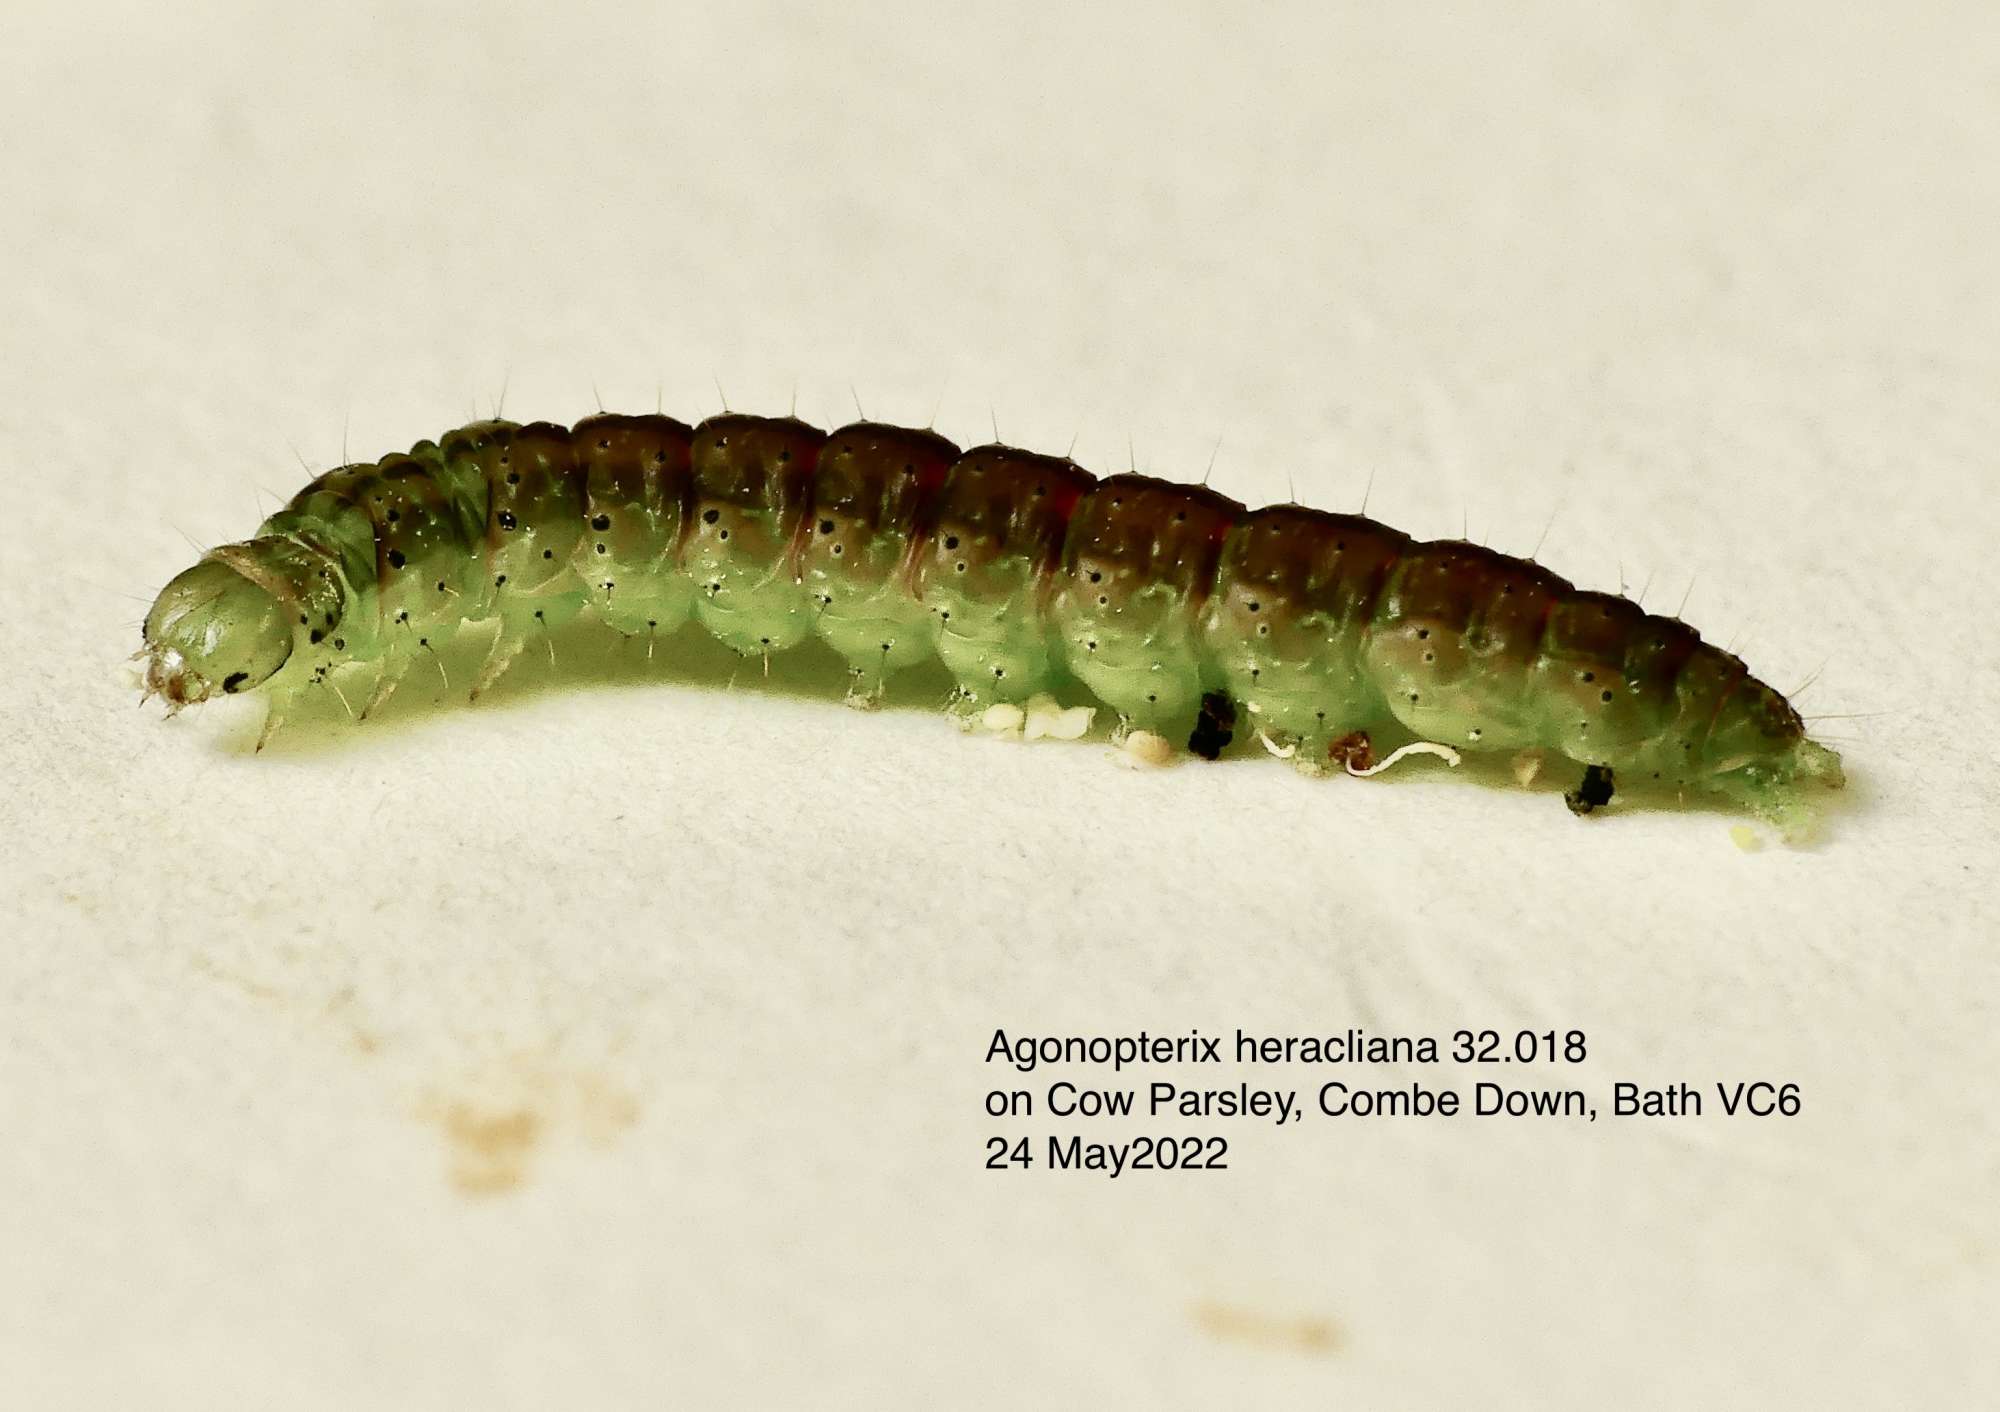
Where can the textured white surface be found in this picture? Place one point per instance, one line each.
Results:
(707, 976)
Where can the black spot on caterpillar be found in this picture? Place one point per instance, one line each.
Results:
(1215, 727)
(1593, 793)
(1024, 574)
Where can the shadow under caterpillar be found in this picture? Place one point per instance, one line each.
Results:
(1184, 612)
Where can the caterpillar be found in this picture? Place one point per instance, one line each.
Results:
(1172, 604)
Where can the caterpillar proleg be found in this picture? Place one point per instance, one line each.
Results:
(1172, 604)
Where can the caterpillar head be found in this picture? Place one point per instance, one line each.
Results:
(1760, 756)
(1757, 729)
(213, 631)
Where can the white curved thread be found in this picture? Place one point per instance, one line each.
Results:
(1282, 752)
(1415, 747)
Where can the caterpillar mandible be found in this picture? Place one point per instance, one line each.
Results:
(1025, 574)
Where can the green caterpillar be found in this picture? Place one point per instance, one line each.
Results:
(1172, 604)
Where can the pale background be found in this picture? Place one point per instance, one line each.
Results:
(617, 1043)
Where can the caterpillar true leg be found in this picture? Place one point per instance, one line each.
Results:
(390, 672)
(277, 705)
(507, 646)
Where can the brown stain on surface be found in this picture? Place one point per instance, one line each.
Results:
(496, 1114)
(1313, 1337)
(495, 1121)
(488, 1151)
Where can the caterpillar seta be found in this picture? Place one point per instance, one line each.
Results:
(1172, 604)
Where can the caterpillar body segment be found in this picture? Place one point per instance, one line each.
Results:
(753, 484)
(988, 572)
(875, 502)
(1172, 604)
(1289, 617)
(638, 501)
(1138, 565)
